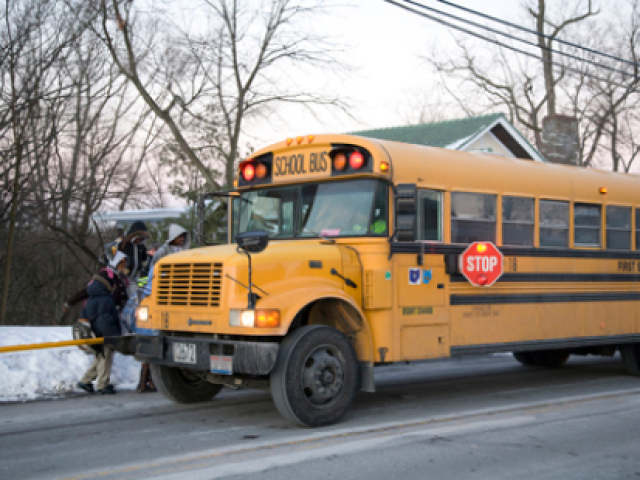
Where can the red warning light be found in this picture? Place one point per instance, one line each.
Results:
(249, 172)
(356, 160)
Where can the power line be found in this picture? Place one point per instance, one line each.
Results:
(501, 44)
(517, 39)
(534, 32)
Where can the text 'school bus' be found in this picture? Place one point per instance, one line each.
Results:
(348, 252)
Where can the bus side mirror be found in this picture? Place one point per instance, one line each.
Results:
(406, 211)
(252, 242)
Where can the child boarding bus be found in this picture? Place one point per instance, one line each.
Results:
(346, 253)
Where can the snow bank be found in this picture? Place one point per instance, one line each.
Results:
(51, 372)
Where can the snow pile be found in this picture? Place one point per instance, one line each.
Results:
(51, 372)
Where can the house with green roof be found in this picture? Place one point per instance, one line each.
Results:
(488, 133)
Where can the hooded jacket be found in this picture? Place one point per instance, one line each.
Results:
(174, 232)
(117, 282)
(136, 253)
(100, 309)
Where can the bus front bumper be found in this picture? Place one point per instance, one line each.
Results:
(226, 357)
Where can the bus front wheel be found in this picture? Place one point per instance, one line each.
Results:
(631, 358)
(316, 376)
(182, 386)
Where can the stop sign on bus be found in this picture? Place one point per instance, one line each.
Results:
(481, 264)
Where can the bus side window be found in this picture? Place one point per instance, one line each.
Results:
(619, 228)
(430, 215)
(637, 228)
(517, 221)
(473, 217)
(587, 223)
(554, 223)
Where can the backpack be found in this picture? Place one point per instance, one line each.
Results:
(83, 331)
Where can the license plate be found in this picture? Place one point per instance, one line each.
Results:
(221, 364)
(184, 352)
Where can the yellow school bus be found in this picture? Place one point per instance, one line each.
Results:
(344, 254)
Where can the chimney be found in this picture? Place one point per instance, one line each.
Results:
(560, 139)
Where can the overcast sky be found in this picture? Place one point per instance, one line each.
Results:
(383, 43)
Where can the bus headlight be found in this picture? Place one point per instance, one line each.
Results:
(259, 318)
(142, 313)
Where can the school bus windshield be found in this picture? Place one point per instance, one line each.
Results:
(328, 209)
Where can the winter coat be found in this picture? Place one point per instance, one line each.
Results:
(136, 253)
(167, 249)
(100, 309)
(109, 273)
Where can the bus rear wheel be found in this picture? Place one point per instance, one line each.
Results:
(182, 386)
(316, 376)
(550, 358)
(525, 358)
(631, 358)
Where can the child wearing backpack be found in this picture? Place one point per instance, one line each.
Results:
(102, 313)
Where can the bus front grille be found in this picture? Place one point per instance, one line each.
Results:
(189, 284)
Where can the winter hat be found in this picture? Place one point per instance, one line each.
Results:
(117, 258)
(138, 227)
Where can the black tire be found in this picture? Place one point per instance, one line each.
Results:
(316, 376)
(631, 358)
(524, 358)
(550, 358)
(182, 386)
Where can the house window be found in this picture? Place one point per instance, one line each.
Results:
(619, 228)
(554, 223)
(587, 220)
(517, 221)
(473, 217)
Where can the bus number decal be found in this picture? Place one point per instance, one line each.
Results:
(628, 266)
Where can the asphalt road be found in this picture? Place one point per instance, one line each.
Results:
(479, 417)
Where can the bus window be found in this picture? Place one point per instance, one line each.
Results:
(517, 221)
(379, 221)
(637, 228)
(341, 208)
(473, 217)
(430, 215)
(554, 223)
(269, 210)
(587, 223)
(619, 228)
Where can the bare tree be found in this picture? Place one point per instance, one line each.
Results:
(203, 86)
(130, 43)
(74, 140)
(34, 36)
(244, 61)
(597, 97)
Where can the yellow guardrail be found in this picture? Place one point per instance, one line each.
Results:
(38, 346)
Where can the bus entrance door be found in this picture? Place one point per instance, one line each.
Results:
(421, 310)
